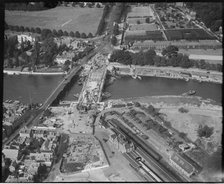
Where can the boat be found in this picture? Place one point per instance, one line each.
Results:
(191, 92)
(139, 77)
(134, 76)
(106, 95)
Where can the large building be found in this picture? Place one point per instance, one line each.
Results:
(182, 164)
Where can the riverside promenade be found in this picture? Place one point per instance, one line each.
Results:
(169, 72)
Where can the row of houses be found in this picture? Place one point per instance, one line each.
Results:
(44, 143)
(201, 44)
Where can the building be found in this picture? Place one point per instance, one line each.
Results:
(43, 157)
(44, 132)
(24, 132)
(60, 59)
(26, 37)
(182, 164)
(10, 153)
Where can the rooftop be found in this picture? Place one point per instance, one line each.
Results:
(181, 162)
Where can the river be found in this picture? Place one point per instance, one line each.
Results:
(153, 86)
(37, 88)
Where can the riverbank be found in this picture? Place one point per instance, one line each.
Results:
(169, 72)
(174, 100)
(16, 72)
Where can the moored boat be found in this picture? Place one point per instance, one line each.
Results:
(191, 92)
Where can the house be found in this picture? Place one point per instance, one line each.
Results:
(26, 37)
(24, 132)
(182, 165)
(45, 158)
(10, 153)
(60, 59)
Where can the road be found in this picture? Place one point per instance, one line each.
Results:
(157, 16)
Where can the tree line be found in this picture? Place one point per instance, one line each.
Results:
(27, 6)
(45, 32)
(170, 57)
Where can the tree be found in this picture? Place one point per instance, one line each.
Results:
(72, 34)
(170, 50)
(205, 131)
(83, 35)
(157, 60)
(149, 57)
(98, 5)
(116, 29)
(121, 56)
(17, 28)
(185, 62)
(90, 35)
(45, 33)
(147, 20)
(202, 64)
(38, 30)
(55, 33)
(50, 50)
(65, 33)
(60, 33)
(113, 40)
(32, 30)
(138, 22)
(27, 29)
(22, 29)
(77, 34)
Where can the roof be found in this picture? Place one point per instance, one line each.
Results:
(11, 153)
(181, 162)
(113, 136)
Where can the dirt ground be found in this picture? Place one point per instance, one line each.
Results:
(65, 18)
(189, 122)
(74, 122)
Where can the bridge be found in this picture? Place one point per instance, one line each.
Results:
(93, 86)
(35, 115)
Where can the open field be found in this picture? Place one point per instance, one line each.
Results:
(142, 11)
(65, 18)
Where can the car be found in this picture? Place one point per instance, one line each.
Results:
(138, 158)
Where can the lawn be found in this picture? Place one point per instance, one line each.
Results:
(65, 18)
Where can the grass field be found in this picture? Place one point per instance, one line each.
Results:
(65, 18)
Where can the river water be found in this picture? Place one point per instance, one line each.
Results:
(37, 88)
(153, 86)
